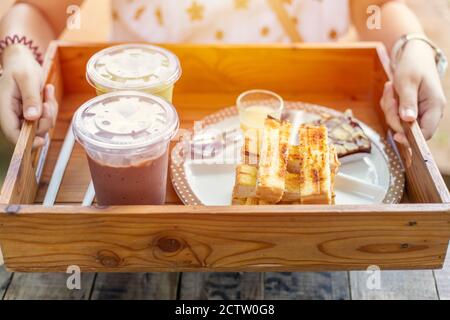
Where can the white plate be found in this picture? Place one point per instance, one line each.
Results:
(363, 179)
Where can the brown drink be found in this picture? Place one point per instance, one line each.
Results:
(126, 136)
(140, 183)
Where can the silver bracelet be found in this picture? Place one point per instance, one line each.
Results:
(441, 59)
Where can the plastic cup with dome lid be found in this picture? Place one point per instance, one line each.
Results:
(126, 137)
(137, 67)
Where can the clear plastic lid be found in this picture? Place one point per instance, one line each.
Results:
(133, 67)
(125, 120)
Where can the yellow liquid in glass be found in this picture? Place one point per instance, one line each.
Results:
(253, 117)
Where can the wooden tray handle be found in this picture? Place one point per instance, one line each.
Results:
(425, 181)
(20, 184)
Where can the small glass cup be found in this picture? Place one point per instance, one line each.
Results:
(136, 67)
(255, 106)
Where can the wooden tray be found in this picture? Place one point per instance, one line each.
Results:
(174, 237)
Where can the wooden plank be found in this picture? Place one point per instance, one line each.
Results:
(6, 152)
(227, 68)
(197, 238)
(306, 286)
(135, 286)
(442, 278)
(76, 177)
(425, 182)
(47, 286)
(20, 185)
(394, 285)
(222, 286)
(5, 278)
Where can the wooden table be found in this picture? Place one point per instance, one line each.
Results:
(428, 284)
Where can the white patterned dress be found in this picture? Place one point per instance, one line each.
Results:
(230, 21)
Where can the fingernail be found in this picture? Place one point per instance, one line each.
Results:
(409, 114)
(32, 112)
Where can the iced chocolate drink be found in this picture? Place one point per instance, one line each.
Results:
(126, 136)
(138, 67)
(144, 182)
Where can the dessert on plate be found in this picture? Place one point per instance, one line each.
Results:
(345, 134)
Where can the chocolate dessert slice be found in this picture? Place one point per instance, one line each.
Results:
(346, 134)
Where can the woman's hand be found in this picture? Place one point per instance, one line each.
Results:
(20, 95)
(415, 93)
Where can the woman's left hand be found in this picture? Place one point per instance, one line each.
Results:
(415, 93)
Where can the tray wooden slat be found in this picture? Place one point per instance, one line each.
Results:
(185, 238)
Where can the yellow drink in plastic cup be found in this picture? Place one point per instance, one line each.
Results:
(137, 67)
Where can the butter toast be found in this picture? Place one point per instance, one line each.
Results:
(250, 148)
(245, 181)
(315, 170)
(273, 160)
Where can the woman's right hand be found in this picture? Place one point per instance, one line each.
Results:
(20, 95)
